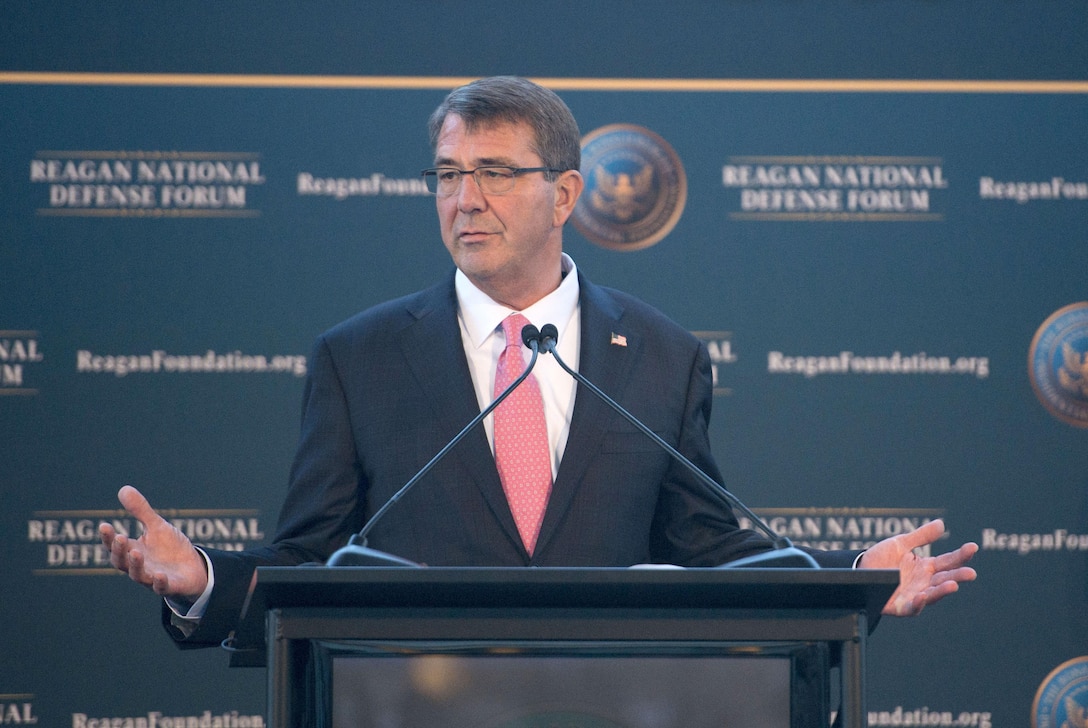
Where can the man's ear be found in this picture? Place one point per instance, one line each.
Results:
(568, 188)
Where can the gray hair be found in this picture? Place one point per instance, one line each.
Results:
(514, 100)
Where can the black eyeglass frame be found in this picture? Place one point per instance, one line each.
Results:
(515, 172)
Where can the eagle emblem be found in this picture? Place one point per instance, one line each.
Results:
(1073, 375)
(1076, 715)
(1062, 699)
(1058, 364)
(635, 188)
(623, 196)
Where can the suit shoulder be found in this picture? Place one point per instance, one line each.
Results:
(650, 321)
(386, 318)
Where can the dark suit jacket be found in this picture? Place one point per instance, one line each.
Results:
(388, 388)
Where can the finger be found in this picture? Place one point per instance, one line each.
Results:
(940, 591)
(913, 607)
(958, 557)
(119, 553)
(924, 535)
(160, 584)
(106, 533)
(137, 570)
(136, 504)
(964, 573)
(901, 606)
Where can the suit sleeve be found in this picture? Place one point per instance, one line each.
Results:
(692, 525)
(320, 512)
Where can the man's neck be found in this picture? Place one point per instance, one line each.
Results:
(520, 296)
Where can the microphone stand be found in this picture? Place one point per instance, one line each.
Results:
(356, 552)
(784, 554)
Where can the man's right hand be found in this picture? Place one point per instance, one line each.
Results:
(162, 559)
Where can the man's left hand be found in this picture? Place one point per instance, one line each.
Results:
(923, 580)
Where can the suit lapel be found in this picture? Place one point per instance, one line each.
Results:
(607, 365)
(435, 355)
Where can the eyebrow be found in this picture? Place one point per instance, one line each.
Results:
(483, 162)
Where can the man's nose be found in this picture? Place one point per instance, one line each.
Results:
(470, 196)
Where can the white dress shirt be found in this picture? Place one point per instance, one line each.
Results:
(481, 333)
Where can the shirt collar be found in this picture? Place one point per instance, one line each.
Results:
(481, 315)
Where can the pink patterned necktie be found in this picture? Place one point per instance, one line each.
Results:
(521, 438)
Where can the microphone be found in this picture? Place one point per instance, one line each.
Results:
(784, 554)
(356, 552)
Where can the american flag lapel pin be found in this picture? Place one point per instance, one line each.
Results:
(618, 339)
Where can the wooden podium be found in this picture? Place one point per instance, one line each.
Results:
(314, 617)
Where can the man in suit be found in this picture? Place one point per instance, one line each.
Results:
(388, 388)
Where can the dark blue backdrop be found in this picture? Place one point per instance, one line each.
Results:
(342, 91)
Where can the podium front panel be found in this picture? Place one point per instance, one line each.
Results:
(568, 685)
(330, 633)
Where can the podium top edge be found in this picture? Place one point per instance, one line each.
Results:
(269, 575)
(479, 589)
(286, 586)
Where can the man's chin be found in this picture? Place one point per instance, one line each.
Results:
(477, 263)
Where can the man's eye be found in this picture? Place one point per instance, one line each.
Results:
(448, 175)
(496, 173)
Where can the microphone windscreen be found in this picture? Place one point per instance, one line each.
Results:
(529, 334)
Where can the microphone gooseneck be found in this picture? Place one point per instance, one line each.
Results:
(784, 554)
(356, 552)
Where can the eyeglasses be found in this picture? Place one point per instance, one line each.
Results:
(492, 180)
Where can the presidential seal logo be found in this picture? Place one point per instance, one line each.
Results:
(635, 188)
(1062, 698)
(1058, 364)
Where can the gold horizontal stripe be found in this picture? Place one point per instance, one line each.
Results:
(234, 80)
(829, 85)
(165, 512)
(17, 392)
(837, 216)
(76, 572)
(142, 212)
(125, 154)
(830, 159)
(851, 511)
(814, 85)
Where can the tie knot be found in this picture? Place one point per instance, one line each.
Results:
(512, 326)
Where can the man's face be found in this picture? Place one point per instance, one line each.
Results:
(509, 245)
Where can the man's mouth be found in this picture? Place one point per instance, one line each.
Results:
(473, 236)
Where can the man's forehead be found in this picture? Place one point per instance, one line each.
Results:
(486, 140)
